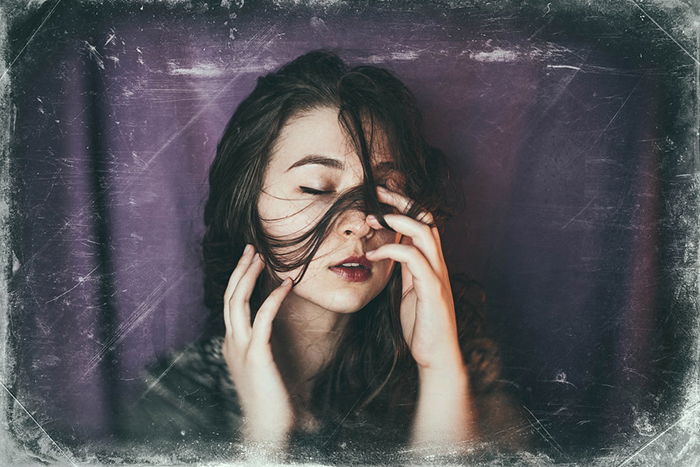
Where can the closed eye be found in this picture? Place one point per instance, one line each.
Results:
(313, 191)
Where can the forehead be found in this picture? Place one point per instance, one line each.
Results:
(318, 132)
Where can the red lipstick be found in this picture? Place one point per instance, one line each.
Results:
(353, 269)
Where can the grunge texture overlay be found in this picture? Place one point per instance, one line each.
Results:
(574, 126)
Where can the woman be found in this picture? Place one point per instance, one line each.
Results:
(335, 324)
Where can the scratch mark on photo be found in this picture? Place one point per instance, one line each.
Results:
(690, 410)
(80, 280)
(578, 213)
(257, 41)
(549, 438)
(666, 32)
(269, 38)
(142, 311)
(37, 423)
(568, 67)
(157, 380)
(19, 54)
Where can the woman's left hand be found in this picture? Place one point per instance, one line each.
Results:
(445, 412)
(427, 307)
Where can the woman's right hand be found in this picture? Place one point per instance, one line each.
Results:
(262, 394)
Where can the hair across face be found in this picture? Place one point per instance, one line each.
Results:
(314, 168)
(376, 113)
(295, 174)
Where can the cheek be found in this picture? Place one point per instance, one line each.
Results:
(288, 218)
(383, 237)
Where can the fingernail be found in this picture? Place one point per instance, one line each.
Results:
(370, 253)
(286, 282)
(247, 248)
(372, 218)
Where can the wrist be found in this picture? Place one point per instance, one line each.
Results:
(452, 374)
(445, 412)
(265, 452)
(266, 440)
(269, 430)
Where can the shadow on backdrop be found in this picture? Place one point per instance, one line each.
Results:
(568, 126)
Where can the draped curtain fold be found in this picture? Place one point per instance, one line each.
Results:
(117, 123)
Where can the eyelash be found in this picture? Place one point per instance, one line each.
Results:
(313, 191)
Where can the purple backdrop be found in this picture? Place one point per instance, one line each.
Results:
(117, 122)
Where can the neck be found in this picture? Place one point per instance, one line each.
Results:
(304, 338)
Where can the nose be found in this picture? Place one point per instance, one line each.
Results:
(354, 223)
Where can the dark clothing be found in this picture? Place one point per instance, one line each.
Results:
(190, 400)
(190, 405)
(188, 395)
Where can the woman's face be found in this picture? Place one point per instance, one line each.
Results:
(312, 163)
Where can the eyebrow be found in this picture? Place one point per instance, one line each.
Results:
(318, 159)
(335, 163)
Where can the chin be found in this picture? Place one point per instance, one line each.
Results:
(338, 296)
(344, 301)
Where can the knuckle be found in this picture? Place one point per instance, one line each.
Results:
(254, 357)
(262, 315)
(277, 294)
(425, 229)
(228, 340)
(231, 347)
(238, 299)
(435, 283)
(402, 251)
(230, 289)
(235, 304)
(387, 250)
(249, 354)
(411, 249)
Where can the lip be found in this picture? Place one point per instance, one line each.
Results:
(353, 274)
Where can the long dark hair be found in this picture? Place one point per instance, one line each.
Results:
(372, 358)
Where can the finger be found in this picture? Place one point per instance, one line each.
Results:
(262, 327)
(424, 277)
(406, 280)
(239, 270)
(373, 222)
(403, 204)
(420, 234)
(235, 276)
(240, 300)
